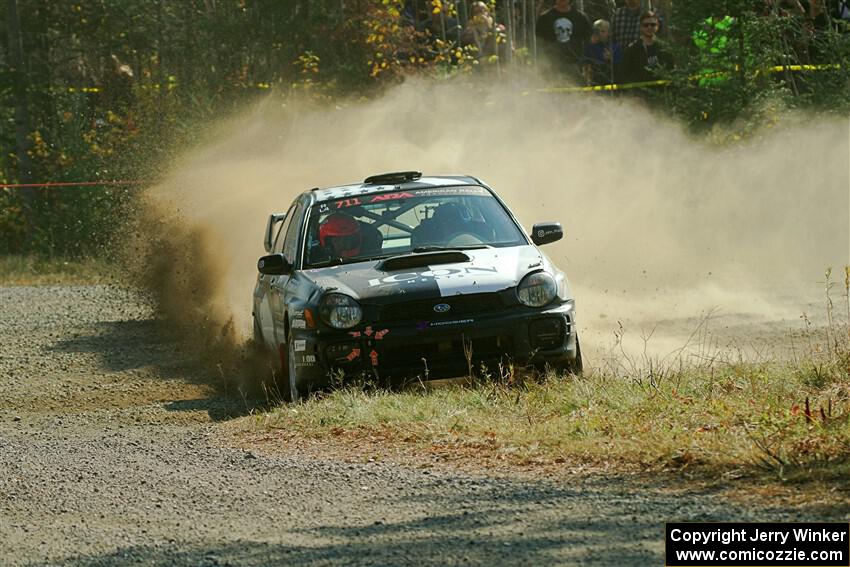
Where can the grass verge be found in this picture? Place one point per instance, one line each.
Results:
(723, 418)
(36, 270)
(790, 421)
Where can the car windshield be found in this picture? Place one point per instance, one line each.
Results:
(379, 225)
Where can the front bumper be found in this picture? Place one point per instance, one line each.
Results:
(439, 349)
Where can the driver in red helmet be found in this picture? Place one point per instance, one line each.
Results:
(340, 235)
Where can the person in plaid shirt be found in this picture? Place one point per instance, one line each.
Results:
(625, 25)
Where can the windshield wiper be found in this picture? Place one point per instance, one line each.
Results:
(419, 249)
(325, 263)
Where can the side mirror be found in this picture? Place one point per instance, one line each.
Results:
(273, 220)
(274, 265)
(546, 232)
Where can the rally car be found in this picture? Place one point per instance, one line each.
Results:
(405, 277)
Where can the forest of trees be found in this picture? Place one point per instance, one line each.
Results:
(102, 89)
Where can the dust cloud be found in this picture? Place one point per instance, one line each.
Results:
(661, 229)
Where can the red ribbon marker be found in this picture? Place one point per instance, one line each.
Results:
(69, 184)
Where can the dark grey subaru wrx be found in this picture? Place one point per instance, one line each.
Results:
(403, 277)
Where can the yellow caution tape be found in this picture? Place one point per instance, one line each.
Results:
(156, 87)
(598, 88)
(664, 83)
(782, 68)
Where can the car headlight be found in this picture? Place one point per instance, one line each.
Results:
(340, 311)
(537, 290)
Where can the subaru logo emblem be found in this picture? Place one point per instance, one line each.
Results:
(442, 307)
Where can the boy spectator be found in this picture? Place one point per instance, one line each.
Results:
(602, 58)
(647, 54)
(563, 31)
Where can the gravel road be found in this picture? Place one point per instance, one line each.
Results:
(113, 451)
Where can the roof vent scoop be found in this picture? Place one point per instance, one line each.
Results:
(393, 178)
(410, 261)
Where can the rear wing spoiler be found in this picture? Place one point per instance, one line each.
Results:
(274, 219)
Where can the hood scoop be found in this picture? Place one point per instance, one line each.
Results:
(410, 261)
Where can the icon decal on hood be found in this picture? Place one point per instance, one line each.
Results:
(434, 274)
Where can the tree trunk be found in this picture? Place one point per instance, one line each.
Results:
(160, 69)
(18, 74)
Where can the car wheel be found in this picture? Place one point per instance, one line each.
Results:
(292, 391)
(567, 366)
(576, 366)
(259, 343)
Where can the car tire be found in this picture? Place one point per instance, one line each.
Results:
(576, 366)
(565, 367)
(268, 359)
(259, 343)
(291, 389)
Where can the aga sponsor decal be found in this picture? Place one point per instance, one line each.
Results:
(306, 361)
(441, 273)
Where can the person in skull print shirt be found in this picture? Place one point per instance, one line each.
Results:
(563, 31)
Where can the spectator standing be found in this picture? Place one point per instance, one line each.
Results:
(626, 23)
(602, 57)
(840, 12)
(816, 25)
(644, 56)
(481, 31)
(563, 31)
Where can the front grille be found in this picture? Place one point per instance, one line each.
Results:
(447, 356)
(546, 333)
(423, 310)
